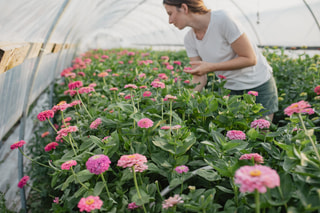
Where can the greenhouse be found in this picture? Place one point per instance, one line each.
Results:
(160, 106)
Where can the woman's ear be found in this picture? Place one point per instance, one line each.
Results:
(185, 8)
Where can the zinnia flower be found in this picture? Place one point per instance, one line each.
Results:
(45, 134)
(171, 201)
(75, 84)
(158, 84)
(86, 90)
(51, 146)
(136, 160)
(113, 89)
(170, 97)
(165, 127)
(236, 135)
(17, 144)
(147, 94)
(253, 93)
(256, 157)
(132, 206)
(95, 123)
(145, 123)
(23, 181)
(68, 164)
(261, 123)
(90, 203)
(181, 169)
(42, 116)
(103, 74)
(98, 164)
(133, 86)
(299, 107)
(222, 76)
(317, 90)
(256, 177)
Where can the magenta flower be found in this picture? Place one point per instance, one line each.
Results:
(165, 127)
(158, 84)
(75, 84)
(256, 177)
(172, 201)
(62, 106)
(133, 86)
(68, 164)
(134, 160)
(181, 169)
(317, 90)
(169, 67)
(23, 181)
(253, 93)
(90, 203)
(299, 107)
(86, 90)
(261, 123)
(70, 91)
(147, 94)
(177, 62)
(95, 123)
(164, 57)
(222, 77)
(163, 76)
(145, 123)
(142, 75)
(56, 200)
(132, 206)
(51, 146)
(75, 102)
(98, 164)
(42, 116)
(256, 157)
(17, 144)
(236, 135)
(127, 97)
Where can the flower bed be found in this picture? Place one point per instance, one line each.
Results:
(129, 134)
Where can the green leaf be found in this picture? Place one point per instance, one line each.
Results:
(209, 175)
(98, 188)
(84, 175)
(67, 182)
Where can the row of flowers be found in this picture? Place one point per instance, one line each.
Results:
(139, 110)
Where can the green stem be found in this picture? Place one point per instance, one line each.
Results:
(84, 106)
(32, 159)
(105, 184)
(281, 194)
(74, 151)
(310, 138)
(170, 113)
(235, 190)
(137, 187)
(76, 177)
(257, 200)
(52, 125)
(38, 190)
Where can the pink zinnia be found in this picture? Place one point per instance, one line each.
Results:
(145, 123)
(163, 76)
(253, 93)
(17, 144)
(236, 135)
(261, 123)
(170, 97)
(143, 87)
(142, 75)
(127, 97)
(86, 90)
(186, 82)
(172, 201)
(181, 169)
(256, 157)
(51, 146)
(175, 127)
(98, 164)
(222, 76)
(165, 127)
(70, 92)
(256, 177)
(177, 62)
(169, 67)
(62, 106)
(134, 160)
(113, 89)
(95, 123)
(299, 107)
(317, 90)
(90, 203)
(147, 94)
(75, 84)
(45, 134)
(103, 74)
(42, 116)
(56, 200)
(68, 164)
(158, 84)
(133, 86)
(132, 206)
(75, 102)
(23, 181)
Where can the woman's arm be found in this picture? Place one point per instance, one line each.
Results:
(196, 78)
(246, 58)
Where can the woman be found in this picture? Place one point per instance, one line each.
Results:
(216, 43)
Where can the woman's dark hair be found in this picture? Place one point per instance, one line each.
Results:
(195, 6)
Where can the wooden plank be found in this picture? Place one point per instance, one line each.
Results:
(12, 55)
(57, 48)
(35, 49)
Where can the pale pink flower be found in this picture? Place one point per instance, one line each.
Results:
(67, 119)
(181, 169)
(17, 144)
(143, 87)
(68, 164)
(45, 134)
(75, 84)
(75, 102)
(175, 127)
(81, 74)
(127, 97)
(113, 89)
(256, 177)
(98, 164)
(104, 57)
(317, 90)
(132, 206)
(147, 94)
(120, 62)
(134, 160)
(142, 75)
(121, 93)
(164, 57)
(92, 85)
(70, 92)
(253, 93)
(23, 181)
(170, 97)
(299, 107)
(145, 123)
(86, 90)
(177, 62)
(256, 157)
(172, 201)
(158, 84)
(236, 135)
(56, 200)
(261, 123)
(163, 76)
(105, 138)
(133, 86)
(90, 203)
(169, 67)
(95, 123)
(186, 82)
(103, 74)
(51, 146)
(165, 127)
(62, 106)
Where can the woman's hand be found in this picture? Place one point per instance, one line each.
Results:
(200, 68)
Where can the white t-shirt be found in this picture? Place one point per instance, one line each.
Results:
(215, 47)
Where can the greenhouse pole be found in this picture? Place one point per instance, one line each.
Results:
(27, 98)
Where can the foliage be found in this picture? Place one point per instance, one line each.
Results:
(199, 141)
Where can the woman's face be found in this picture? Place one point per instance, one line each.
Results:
(176, 16)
